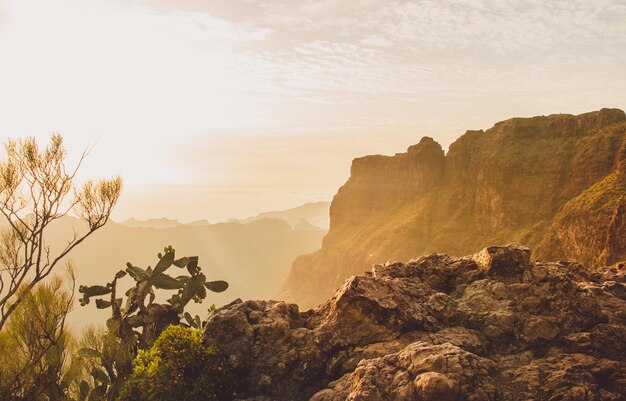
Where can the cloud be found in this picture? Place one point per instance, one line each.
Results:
(338, 51)
(376, 41)
(144, 76)
(205, 27)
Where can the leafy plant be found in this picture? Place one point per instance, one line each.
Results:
(179, 366)
(138, 321)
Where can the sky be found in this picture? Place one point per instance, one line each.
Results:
(213, 109)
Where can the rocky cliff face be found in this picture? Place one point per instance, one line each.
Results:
(492, 326)
(555, 183)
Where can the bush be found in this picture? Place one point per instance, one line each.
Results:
(35, 346)
(179, 366)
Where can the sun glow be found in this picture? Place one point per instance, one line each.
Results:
(116, 74)
(282, 94)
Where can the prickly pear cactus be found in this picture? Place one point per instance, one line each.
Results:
(137, 321)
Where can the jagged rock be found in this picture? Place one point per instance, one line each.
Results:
(418, 372)
(572, 377)
(509, 261)
(556, 183)
(492, 326)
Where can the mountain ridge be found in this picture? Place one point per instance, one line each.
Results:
(315, 213)
(504, 184)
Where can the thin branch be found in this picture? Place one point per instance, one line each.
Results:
(44, 173)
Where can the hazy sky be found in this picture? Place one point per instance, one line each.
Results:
(225, 108)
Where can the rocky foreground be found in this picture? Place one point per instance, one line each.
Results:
(492, 326)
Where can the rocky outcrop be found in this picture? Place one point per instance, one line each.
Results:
(417, 372)
(555, 183)
(492, 326)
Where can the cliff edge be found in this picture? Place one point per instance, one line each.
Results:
(556, 183)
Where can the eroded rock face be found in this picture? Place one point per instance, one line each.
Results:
(492, 326)
(556, 183)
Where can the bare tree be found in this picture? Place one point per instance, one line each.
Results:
(35, 189)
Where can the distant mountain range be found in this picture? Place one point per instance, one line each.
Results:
(316, 213)
(309, 215)
(152, 223)
(254, 257)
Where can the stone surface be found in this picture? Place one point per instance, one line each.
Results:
(556, 183)
(418, 372)
(492, 326)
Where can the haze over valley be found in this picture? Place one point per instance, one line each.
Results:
(253, 257)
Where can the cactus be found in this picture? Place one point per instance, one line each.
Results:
(165, 282)
(136, 322)
(216, 286)
(189, 287)
(194, 322)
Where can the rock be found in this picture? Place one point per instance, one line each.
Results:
(538, 329)
(569, 377)
(556, 183)
(418, 372)
(487, 308)
(493, 326)
(272, 352)
(503, 260)
(435, 386)
(607, 340)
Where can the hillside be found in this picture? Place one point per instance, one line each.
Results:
(254, 258)
(555, 183)
(493, 326)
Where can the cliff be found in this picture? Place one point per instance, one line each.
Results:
(553, 182)
(491, 326)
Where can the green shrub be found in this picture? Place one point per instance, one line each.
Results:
(35, 345)
(179, 366)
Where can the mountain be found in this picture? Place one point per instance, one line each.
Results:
(151, 223)
(202, 222)
(316, 213)
(254, 258)
(304, 224)
(163, 222)
(556, 183)
(493, 326)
